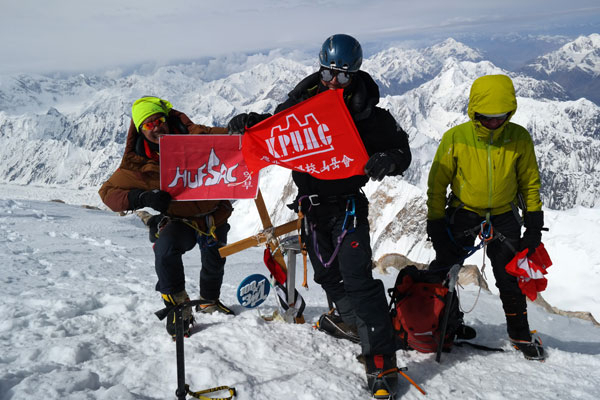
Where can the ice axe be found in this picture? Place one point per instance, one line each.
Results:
(182, 388)
(452, 279)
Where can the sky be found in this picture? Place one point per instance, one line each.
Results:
(76, 35)
(77, 323)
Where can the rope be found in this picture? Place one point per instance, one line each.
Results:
(335, 251)
(476, 299)
(349, 212)
(310, 228)
(272, 241)
(194, 225)
(261, 238)
(486, 235)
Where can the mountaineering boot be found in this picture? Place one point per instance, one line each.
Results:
(341, 322)
(532, 349)
(515, 310)
(382, 375)
(210, 306)
(332, 324)
(517, 327)
(188, 320)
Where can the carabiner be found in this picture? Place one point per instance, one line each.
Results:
(350, 212)
(486, 233)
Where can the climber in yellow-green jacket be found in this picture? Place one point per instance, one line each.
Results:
(490, 165)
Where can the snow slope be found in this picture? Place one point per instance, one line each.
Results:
(78, 302)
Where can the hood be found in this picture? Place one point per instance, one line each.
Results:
(492, 94)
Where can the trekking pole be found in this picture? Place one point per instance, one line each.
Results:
(453, 278)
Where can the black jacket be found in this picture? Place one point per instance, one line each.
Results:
(377, 128)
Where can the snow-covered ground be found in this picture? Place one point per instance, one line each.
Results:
(78, 301)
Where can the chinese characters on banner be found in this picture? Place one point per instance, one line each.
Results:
(316, 136)
(205, 167)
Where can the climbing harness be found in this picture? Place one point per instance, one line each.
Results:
(350, 212)
(205, 239)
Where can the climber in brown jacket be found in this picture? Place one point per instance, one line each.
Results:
(180, 225)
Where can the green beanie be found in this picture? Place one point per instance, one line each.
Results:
(147, 106)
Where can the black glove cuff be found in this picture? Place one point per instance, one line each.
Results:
(534, 220)
(436, 227)
(134, 199)
(255, 118)
(237, 124)
(401, 161)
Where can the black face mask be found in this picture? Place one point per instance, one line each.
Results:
(140, 148)
(153, 146)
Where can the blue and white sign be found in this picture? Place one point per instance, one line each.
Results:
(253, 290)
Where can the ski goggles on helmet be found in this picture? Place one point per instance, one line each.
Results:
(343, 77)
(489, 117)
(148, 126)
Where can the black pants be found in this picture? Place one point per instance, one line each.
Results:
(174, 240)
(349, 275)
(500, 251)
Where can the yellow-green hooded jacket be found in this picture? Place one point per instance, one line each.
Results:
(485, 169)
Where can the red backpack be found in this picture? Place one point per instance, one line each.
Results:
(418, 302)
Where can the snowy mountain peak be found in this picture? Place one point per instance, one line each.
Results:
(575, 66)
(583, 53)
(453, 48)
(398, 70)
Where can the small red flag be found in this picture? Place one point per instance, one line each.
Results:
(530, 271)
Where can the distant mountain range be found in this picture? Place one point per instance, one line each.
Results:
(575, 66)
(71, 131)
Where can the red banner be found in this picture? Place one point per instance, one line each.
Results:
(316, 136)
(205, 167)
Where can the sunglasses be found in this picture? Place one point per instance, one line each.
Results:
(486, 118)
(148, 126)
(343, 77)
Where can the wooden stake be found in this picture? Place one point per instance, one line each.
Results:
(267, 224)
(270, 236)
(257, 240)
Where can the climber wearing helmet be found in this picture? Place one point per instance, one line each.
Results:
(341, 258)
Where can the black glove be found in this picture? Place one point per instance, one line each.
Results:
(437, 232)
(156, 199)
(445, 248)
(534, 224)
(379, 165)
(241, 122)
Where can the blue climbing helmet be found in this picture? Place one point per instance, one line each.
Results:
(341, 52)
